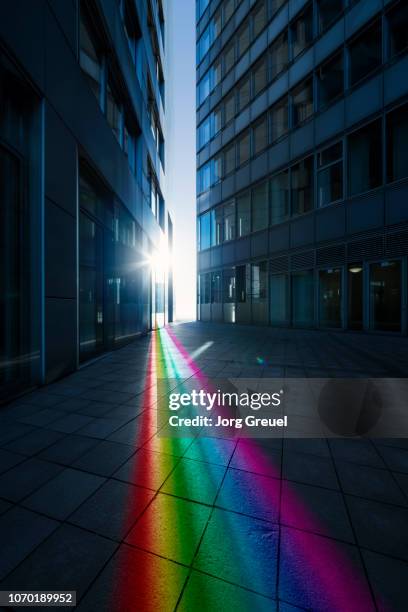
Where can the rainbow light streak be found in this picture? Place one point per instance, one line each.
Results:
(331, 578)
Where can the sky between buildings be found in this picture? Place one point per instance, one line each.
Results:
(181, 149)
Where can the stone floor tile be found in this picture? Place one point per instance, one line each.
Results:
(309, 469)
(204, 592)
(69, 559)
(211, 450)
(224, 551)
(104, 458)
(147, 469)
(191, 480)
(387, 577)
(68, 449)
(34, 442)
(380, 527)
(20, 481)
(70, 423)
(113, 509)
(315, 509)
(20, 532)
(61, 495)
(251, 494)
(370, 483)
(356, 451)
(170, 527)
(8, 460)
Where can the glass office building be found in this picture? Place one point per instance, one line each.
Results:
(302, 163)
(83, 217)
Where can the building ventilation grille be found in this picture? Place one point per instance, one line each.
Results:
(331, 255)
(280, 264)
(369, 248)
(396, 244)
(302, 261)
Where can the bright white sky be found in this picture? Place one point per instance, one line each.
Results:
(181, 149)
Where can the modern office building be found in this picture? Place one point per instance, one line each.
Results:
(302, 157)
(83, 220)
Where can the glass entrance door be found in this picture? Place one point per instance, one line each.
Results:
(385, 296)
(91, 313)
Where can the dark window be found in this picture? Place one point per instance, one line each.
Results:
(205, 288)
(217, 168)
(365, 53)
(302, 31)
(241, 284)
(243, 39)
(217, 120)
(113, 112)
(229, 221)
(302, 186)
(385, 296)
(229, 58)
(278, 299)
(260, 207)
(229, 108)
(364, 158)
(229, 6)
(398, 27)
(329, 10)
(330, 77)
(279, 197)
(259, 18)
(259, 77)
(279, 55)
(355, 296)
(229, 286)
(279, 119)
(330, 298)
(217, 222)
(244, 94)
(90, 59)
(260, 135)
(244, 149)
(259, 281)
(302, 97)
(397, 144)
(243, 214)
(303, 299)
(330, 174)
(216, 294)
(229, 159)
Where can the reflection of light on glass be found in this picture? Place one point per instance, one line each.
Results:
(159, 259)
(355, 270)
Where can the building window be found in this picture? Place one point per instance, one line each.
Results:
(229, 58)
(398, 28)
(217, 72)
(397, 144)
(302, 98)
(385, 296)
(229, 286)
(355, 296)
(364, 158)
(259, 18)
(217, 168)
(259, 77)
(260, 207)
(217, 120)
(216, 293)
(217, 222)
(229, 7)
(241, 284)
(330, 174)
(303, 299)
(243, 214)
(243, 39)
(204, 132)
(365, 53)
(229, 221)
(259, 281)
(279, 55)
(229, 159)
(204, 178)
(302, 31)
(302, 178)
(279, 197)
(229, 109)
(244, 94)
(90, 59)
(204, 87)
(330, 78)
(279, 119)
(330, 298)
(278, 299)
(217, 23)
(205, 288)
(244, 149)
(329, 11)
(260, 135)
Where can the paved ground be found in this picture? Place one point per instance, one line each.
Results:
(92, 499)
